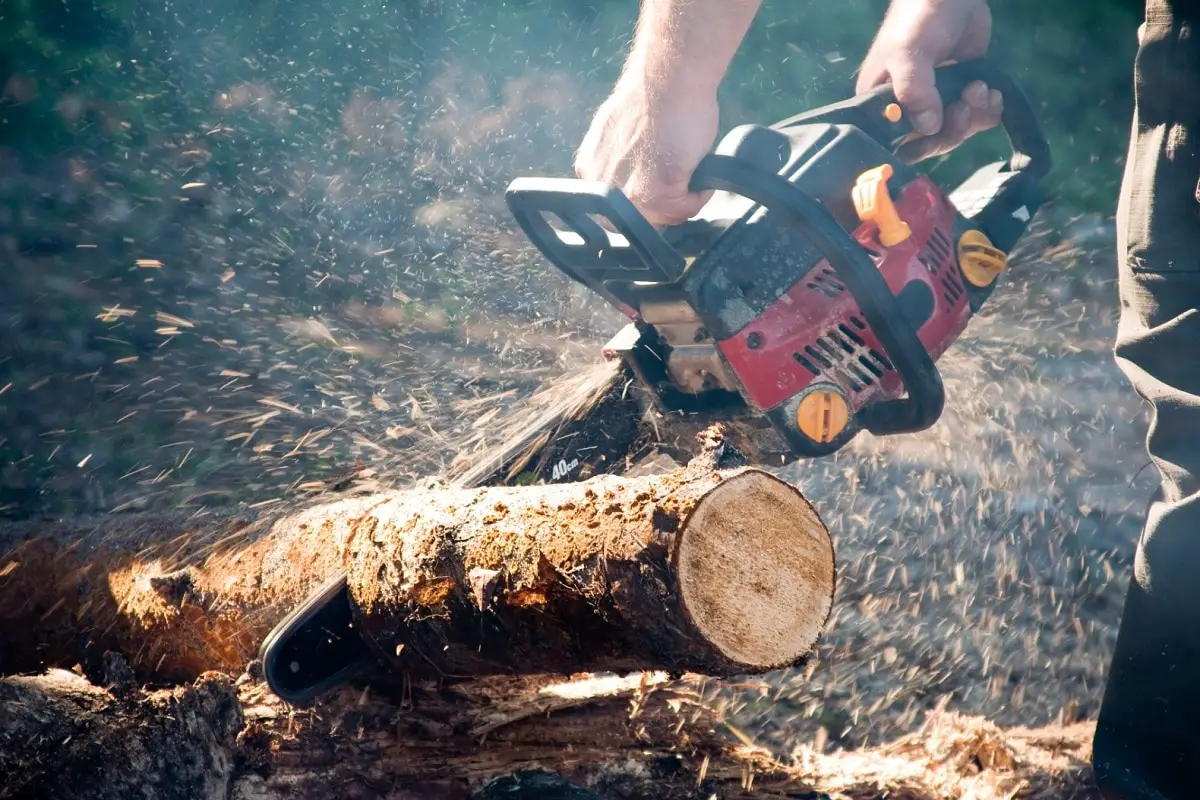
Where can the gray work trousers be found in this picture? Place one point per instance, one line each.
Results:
(1147, 743)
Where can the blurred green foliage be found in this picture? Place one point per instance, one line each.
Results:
(1073, 58)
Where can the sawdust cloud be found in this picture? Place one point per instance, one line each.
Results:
(379, 315)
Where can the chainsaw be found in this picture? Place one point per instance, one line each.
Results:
(810, 298)
(807, 302)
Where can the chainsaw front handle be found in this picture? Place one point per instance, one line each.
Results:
(926, 393)
(583, 248)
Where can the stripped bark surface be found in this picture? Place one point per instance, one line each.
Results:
(592, 738)
(710, 568)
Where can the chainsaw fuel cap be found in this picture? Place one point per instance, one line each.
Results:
(980, 261)
(823, 414)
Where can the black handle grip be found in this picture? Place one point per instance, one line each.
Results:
(926, 394)
(866, 111)
(1030, 150)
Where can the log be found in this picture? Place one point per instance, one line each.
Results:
(712, 568)
(593, 738)
(705, 570)
(61, 736)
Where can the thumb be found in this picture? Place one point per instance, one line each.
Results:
(915, 90)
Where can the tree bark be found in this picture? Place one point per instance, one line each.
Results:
(61, 736)
(596, 738)
(717, 571)
(712, 569)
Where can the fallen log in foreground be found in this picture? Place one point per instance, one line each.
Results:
(710, 569)
(61, 736)
(600, 738)
(702, 569)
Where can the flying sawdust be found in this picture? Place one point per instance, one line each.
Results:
(522, 431)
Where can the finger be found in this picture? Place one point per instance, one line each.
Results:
(975, 96)
(994, 114)
(957, 127)
(954, 131)
(666, 206)
(580, 165)
(590, 167)
(984, 116)
(915, 90)
(986, 107)
(678, 212)
(965, 117)
(871, 72)
(980, 109)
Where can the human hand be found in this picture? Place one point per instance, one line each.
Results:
(647, 140)
(915, 37)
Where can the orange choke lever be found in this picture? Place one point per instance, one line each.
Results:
(874, 203)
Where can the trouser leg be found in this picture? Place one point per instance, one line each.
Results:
(1147, 743)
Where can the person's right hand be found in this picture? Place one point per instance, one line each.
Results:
(915, 37)
(647, 141)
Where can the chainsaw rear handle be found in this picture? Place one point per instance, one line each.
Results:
(868, 112)
(926, 393)
(1030, 150)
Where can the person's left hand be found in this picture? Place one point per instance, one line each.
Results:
(915, 37)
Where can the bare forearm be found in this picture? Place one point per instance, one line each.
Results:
(687, 45)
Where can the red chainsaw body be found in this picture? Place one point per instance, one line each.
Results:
(816, 332)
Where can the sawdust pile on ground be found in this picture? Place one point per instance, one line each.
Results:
(954, 756)
(174, 357)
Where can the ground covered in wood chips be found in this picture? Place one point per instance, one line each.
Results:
(675, 722)
(589, 738)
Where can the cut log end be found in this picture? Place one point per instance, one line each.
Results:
(756, 571)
